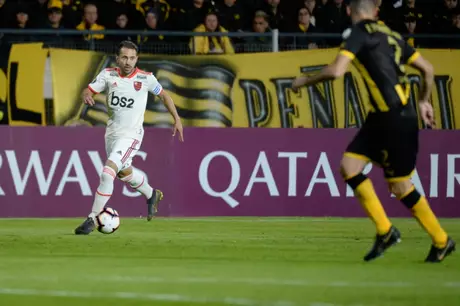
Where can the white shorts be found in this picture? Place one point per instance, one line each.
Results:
(122, 150)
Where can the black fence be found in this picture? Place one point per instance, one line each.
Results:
(175, 42)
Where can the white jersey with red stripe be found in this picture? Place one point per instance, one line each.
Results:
(126, 100)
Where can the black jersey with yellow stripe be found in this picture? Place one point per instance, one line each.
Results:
(380, 55)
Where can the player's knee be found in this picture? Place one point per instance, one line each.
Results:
(114, 162)
(344, 170)
(400, 188)
(406, 192)
(108, 175)
(350, 167)
(126, 174)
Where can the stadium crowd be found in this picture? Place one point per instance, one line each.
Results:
(257, 16)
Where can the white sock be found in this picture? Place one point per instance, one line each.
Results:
(138, 182)
(104, 191)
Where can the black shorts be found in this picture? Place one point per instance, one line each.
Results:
(389, 140)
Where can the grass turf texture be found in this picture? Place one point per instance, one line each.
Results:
(221, 261)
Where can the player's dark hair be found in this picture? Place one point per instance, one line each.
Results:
(128, 45)
(363, 5)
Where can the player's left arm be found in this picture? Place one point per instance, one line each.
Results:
(353, 42)
(169, 103)
(414, 59)
(156, 89)
(417, 61)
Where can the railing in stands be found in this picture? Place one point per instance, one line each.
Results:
(180, 42)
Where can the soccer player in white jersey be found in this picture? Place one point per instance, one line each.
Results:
(127, 90)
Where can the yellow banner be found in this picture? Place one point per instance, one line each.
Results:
(25, 85)
(246, 90)
(72, 70)
(3, 90)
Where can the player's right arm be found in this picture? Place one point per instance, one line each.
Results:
(416, 60)
(87, 97)
(96, 86)
(353, 42)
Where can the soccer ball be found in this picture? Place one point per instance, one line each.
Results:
(108, 221)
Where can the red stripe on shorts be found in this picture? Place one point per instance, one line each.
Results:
(129, 151)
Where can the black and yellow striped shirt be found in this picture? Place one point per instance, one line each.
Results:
(379, 54)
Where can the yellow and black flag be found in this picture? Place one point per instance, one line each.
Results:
(202, 95)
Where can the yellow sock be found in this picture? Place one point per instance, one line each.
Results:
(366, 195)
(422, 212)
(425, 216)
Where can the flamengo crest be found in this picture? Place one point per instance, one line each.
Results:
(137, 85)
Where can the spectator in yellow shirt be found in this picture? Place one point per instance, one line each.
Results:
(89, 22)
(211, 44)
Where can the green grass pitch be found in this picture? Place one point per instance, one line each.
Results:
(221, 261)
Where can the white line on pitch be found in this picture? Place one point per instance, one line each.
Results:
(264, 281)
(248, 281)
(141, 296)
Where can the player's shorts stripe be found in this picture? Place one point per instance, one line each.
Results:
(125, 156)
(140, 183)
(347, 54)
(357, 156)
(129, 151)
(413, 58)
(92, 90)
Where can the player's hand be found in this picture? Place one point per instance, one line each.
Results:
(88, 100)
(427, 113)
(178, 129)
(297, 83)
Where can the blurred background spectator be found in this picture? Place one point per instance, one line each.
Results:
(89, 22)
(232, 15)
(53, 21)
(211, 44)
(304, 25)
(260, 24)
(298, 17)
